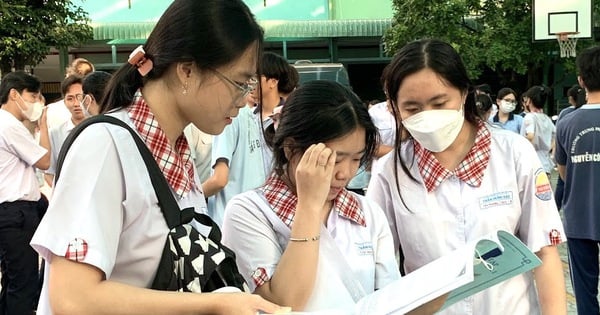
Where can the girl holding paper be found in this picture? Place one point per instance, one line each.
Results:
(302, 239)
(455, 179)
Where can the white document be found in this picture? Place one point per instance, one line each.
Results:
(462, 273)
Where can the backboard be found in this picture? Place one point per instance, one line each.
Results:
(557, 16)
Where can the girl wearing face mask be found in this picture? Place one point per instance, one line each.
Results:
(456, 178)
(507, 102)
(20, 155)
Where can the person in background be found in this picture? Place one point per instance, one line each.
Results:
(105, 255)
(455, 179)
(72, 91)
(537, 127)
(57, 112)
(287, 232)
(578, 159)
(289, 84)
(20, 155)
(484, 106)
(505, 117)
(201, 150)
(241, 158)
(576, 96)
(94, 85)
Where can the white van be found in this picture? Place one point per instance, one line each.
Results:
(309, 71)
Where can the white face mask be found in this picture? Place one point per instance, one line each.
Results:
(33, 111)
(507, 107)
(435, 129)
(85, 108)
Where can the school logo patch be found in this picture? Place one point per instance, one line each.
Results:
(543, 190)
(77, 250)
(554, 237)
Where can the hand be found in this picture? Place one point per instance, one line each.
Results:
(313, 175)
(247, 304)
(43, 121)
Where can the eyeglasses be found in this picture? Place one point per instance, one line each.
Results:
(72, 98)
(245, 88)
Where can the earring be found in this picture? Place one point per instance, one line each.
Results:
(185, 88)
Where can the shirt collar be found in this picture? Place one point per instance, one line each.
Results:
(470, 170)
(511, 116)
(175, 163)
(283, 201)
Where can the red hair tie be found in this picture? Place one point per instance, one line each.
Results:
(138, 59)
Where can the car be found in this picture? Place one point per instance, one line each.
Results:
(308, 71)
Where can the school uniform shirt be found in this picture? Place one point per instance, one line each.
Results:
(18, 153)
(56, 114)
(104, 211)
(201, 148)
(544, 132)
(357, 226)
(513, 123)
(386, 125)
(57, 138)
(500, 185)
(242, 145)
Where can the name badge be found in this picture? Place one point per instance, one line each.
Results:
(495, 200)
(364, 248)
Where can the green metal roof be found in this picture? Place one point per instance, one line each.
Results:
(137, 32)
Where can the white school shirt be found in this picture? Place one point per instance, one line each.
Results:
(18, 153)
(241, 144)
(200, 148)
(56, 114)
(368, 250)
(544, 133)
(104, 197)
(57, 138)
(515, 196)
(386, 125)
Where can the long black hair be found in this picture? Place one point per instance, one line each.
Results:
(321, 111)
(415, 56)
(210, 33)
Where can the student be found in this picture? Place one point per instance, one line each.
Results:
(20, 154)
(241, 159)
(57, 112)
(104, 254)
(484, 106)
(93, 86)
(578, 159)
(294, 235)
(504, 117)
(576, 96)
(455, 179)
(538, 128)
(72, 91)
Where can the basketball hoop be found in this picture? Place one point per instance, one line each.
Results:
(567, 43)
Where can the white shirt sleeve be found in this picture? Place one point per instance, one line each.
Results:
(249, 234)
(90, 210)
(224, 145)
(23, 145)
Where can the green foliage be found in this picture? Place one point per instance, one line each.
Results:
(492, 33)
(29, 28)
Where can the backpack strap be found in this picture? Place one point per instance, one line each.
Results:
(168, 205)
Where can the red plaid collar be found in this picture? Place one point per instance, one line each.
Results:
(176, 165)
(470, 170)
(284, 202)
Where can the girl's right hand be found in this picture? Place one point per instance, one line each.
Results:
(313, 175)
(247, 304)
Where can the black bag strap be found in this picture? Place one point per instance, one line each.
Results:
(168, 205)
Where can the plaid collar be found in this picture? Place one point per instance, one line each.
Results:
(470, 170)
(284, 202)
(176, 164)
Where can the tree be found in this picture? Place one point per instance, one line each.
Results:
(489, 33)
(29, 28)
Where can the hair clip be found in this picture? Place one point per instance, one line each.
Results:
(138, 59)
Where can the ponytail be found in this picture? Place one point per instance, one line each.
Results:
(121, 88)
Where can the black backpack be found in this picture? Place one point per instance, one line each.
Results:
(209, 264)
